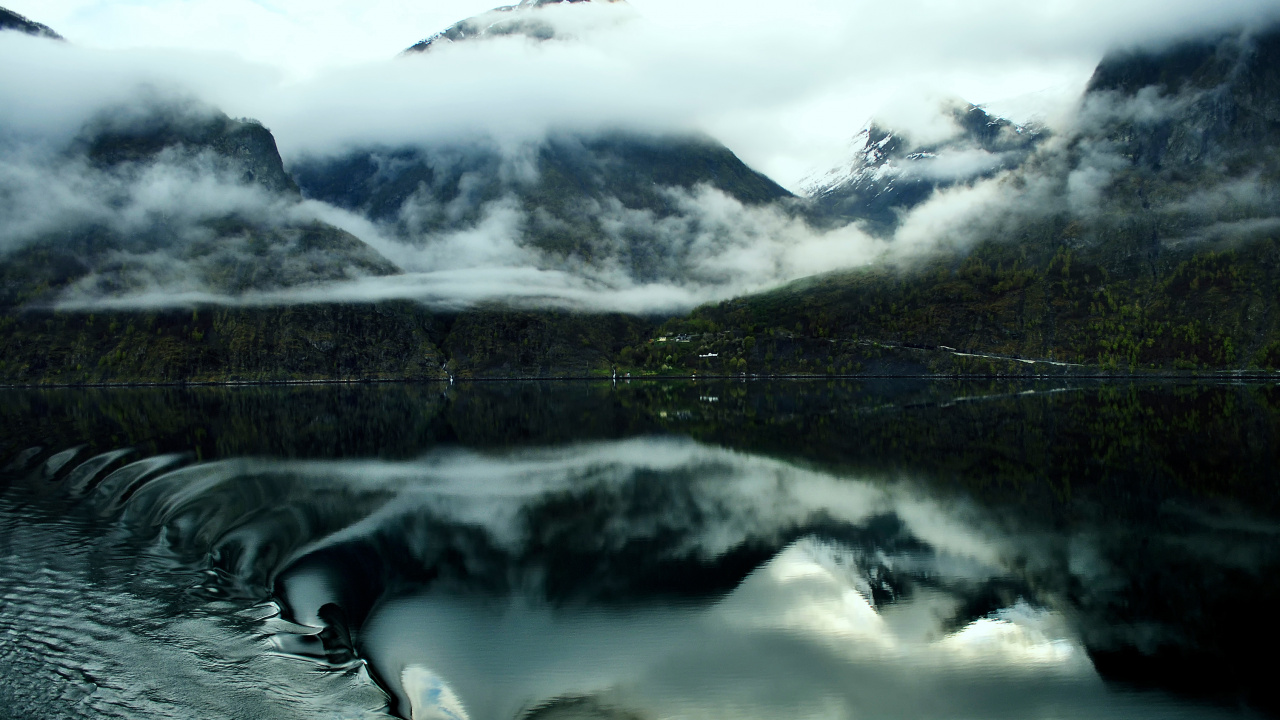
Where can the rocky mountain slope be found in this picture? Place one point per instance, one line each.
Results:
(890, 173)
(575, 193)
(174, 197)
(1185, 141)
(1220, 96)
(10, 20)
(1147, 237)
(178, 131)
(603, 201)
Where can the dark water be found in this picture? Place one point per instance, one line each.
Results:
(893, 549)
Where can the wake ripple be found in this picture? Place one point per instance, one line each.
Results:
(101, 616)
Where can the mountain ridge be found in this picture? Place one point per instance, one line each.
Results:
(1170, 265)
(124, 246)
(503, 21)
(10, 20)
(563, 185)
(890, 174)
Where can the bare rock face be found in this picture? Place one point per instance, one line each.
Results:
(1180, 146)
(141, 134)
(10, 20)
(1209, 100)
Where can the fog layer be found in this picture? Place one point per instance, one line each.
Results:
(607, 69)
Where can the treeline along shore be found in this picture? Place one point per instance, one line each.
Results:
(998, 310)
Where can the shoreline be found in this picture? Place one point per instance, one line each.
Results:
(1225, 375)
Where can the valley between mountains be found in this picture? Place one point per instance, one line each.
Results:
(163, 241)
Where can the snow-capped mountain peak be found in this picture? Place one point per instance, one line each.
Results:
(870, 155)
(887, 171)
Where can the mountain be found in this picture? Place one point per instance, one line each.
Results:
(566, 188)
(1220, 97)
(1155, 127)
(1189, 135)
(606, 200)
(172, 197)
(181, 131)
(891, 173)
(520, 19)
(10, 20)
(1142, 237)
(1146, 237)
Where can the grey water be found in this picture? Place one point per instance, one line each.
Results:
(492, 551)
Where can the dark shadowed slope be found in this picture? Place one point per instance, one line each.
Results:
(141, 134)
(566, 190)
(1216, 101)
(173, 197)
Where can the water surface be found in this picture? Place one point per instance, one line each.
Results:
(891, 549)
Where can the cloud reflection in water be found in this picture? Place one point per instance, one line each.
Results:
(550, 583)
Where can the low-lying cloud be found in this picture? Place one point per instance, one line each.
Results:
(41, 195)
(784, 85)
(714, 247)
(615, 68)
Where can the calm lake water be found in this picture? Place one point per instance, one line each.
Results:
(641, 551)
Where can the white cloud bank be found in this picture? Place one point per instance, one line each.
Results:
(776, 81)
(783, 84)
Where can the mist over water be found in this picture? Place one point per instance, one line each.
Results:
(809, 550)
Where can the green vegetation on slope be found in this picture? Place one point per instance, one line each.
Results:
(999, 310)
(1201, 309)
(384, 341)
(304, 342)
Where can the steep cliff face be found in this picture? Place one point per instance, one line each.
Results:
(10, 20)
(1214, 100)
(185, 130)
(1176, 149)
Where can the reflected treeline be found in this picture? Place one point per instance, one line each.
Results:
(1119, 443)
(332, 421)
(1130, 446)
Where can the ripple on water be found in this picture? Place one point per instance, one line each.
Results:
(98, 621)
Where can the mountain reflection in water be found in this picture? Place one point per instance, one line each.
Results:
(902, 550)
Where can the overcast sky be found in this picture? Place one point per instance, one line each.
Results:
(784, 84)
